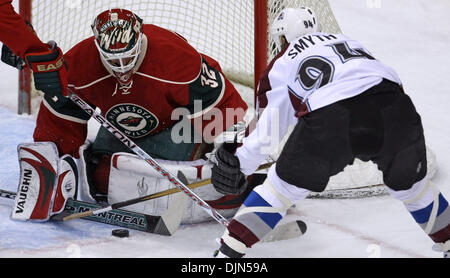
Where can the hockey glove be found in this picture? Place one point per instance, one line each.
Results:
(49, 72)
(227, 177)
(9, 58)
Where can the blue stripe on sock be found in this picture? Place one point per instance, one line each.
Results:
(422, 215)
(255, 200)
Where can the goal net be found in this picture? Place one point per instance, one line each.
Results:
(223, 29)
(234, 32)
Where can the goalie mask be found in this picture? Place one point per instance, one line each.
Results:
(118, 37)
(292, 23)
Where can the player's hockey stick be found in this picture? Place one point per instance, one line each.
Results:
(135, 200)
(141, 153)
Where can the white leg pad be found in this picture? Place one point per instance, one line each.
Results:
(131, 177)
(67, 183)
(38, 172)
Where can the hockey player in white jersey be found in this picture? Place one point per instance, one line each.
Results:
(344, 104)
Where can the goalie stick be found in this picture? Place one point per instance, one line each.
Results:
(122, 218)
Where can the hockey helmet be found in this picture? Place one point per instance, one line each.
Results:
(292, 23)
(118, 37)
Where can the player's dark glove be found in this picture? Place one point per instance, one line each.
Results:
(227, 177)
(49, 72)
(9, 58)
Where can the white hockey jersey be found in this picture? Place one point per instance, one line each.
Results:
(316, 70)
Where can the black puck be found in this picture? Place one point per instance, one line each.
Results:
(302, 226)
(120, 233)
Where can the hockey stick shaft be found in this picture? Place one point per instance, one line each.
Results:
(171, 191)
(141, 153)
(7, 194)
(135, 200)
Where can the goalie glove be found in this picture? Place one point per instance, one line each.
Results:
(46, 182)
(9, 58)
(227, 177)
(50, 73)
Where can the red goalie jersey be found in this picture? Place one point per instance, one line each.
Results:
(169, 74)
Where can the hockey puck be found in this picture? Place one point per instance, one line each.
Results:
(302, 226)
(120, 233)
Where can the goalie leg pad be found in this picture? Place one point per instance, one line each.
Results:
(87, 168)
(46, 182)
(131, 177)
(38, 170)
(67, 183)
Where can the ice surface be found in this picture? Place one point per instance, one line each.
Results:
(409, 35)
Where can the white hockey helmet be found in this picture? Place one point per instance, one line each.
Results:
(118, 37)
(292, 23)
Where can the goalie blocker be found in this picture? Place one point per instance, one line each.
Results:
(46, 182)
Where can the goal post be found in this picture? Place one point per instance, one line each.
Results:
(25, 87)
(234, 32)
(261, 42)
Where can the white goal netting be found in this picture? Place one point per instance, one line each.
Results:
(222, 29)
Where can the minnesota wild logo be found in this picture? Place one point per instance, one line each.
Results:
(133, 120)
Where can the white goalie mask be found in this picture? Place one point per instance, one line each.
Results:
(292, 23)
(118, 38)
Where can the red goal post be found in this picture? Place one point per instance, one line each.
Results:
(233, 32)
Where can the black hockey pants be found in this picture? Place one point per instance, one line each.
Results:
(380, 124)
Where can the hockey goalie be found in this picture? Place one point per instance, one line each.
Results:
(152, 85)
